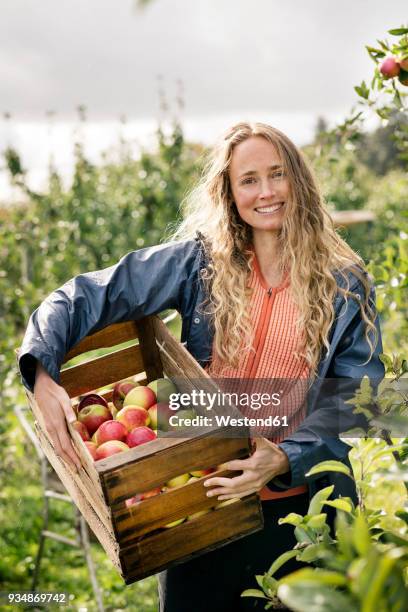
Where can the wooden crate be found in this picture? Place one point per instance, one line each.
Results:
(134, 537)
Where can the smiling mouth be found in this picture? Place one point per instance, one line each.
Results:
(267, 210)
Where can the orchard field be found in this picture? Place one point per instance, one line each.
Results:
(125, 203)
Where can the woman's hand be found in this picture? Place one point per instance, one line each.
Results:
(266, 462)
(55, 406)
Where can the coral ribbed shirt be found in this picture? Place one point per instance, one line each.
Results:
(273, 365)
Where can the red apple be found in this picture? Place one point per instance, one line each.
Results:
(140, 396)
(82, 430)
(110, 430)
(159, 416)
(93, 416)
(389, 68)
(112, 447)
(90, 399)
(163, 388)
(201, 473)
(120, 390)
(141, 496)
(92, 448)
(133, 416)
(140, 435)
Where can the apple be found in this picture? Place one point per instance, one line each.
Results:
(159, 416)
(141, 496)
(140, 435)
(82, 430)
(110, 430)
(192, 479)
(163, 388)
(113, 410)
(174, 523)
(120, 390)
(201, 473)
(198, 514)
(140, 396)
(112, 447)
(90, 399)
(93, 416)
(133, 416)
(403, 77)
(151, 493)
(389, 68)
(92, 448)
(177, 481)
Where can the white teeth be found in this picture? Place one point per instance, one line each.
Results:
(269, 209)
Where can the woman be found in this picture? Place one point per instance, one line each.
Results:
(266, 290)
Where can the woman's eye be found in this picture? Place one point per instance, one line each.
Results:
(279, 174)
(248, 180)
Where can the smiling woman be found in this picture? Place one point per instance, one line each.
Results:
(260, 193)
(267, 291)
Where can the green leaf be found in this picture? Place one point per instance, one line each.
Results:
(361, 536)
(302, 536)
(375, 52)
(281, 560)
(362, 90)
(318, 498)
(319, 576)
(342, 503)
(317, 521)
(311, 553)
(385, 359)
(254, 593)
(403, 515)
(330, 466)
(316, 597)
(398, 31)
(292, 519)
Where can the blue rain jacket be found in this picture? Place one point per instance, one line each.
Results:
(167, 276)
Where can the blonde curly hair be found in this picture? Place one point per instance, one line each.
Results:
(311, 251)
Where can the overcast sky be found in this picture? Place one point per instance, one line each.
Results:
(281, 61)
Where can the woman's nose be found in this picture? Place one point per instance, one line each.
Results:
(267, 190)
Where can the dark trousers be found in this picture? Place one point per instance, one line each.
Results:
(215, 580)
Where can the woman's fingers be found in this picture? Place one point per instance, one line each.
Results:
(232, 486)
(66, 449)
(55, 406)
(66, 406)
(57, 431)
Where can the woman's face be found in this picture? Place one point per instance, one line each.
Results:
(259, 185)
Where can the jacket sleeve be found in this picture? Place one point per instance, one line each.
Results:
(142, 283)
(317, 438)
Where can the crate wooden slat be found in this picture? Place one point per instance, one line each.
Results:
(158, 467)
(102, 371)
(143, 517)
(134, 536)
(82, 501)
(109, 336)
(161, 550)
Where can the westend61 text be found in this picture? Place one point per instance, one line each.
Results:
(228, 421)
